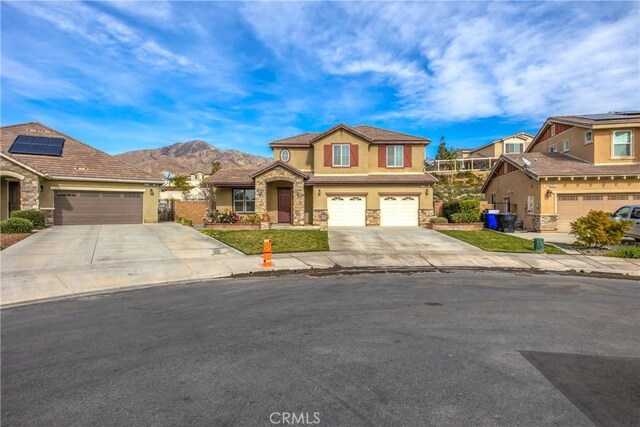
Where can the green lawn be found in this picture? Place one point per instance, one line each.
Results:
(283, 241)
(495, 241)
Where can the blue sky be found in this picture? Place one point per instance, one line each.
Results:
(134, 75)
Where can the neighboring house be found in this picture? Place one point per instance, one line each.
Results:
(513, 144)
(573, 165)
(356, 176)
(196, 178)
(69, 181)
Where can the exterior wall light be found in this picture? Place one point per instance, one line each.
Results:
(318, 191)
(549, 193)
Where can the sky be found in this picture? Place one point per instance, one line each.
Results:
(133, 75)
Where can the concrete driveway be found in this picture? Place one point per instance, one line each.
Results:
(63, 261)
(385, 240)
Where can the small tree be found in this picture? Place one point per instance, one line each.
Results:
(448, 155)
(215, 167)
(597, 229)
(180, 183)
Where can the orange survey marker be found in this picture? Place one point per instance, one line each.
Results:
(266, 253)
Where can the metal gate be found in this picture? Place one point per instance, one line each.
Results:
(165, 210)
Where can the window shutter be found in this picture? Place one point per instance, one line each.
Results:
(353, 148)
(407, 156)
(327, 155)
(382, 156)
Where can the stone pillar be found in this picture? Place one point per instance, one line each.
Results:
(298, 201)
(545, 222)
(261, 197)
(424, 215)
(372, 217)
(321, 218)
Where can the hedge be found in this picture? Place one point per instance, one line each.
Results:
(15, 226)
(35, 216)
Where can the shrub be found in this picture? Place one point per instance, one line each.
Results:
(597, 229)
(186, 221)
(251, 219)
(626, 252)
(466, 174)
(16, 225)
(439, 220)
(35, 216)
(227, 217)
(450, 208)
(468, 209)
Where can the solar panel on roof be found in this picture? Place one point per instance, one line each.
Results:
(37, 145)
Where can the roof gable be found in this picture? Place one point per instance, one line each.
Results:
(340, 126)
(77, 160)
(279, 163)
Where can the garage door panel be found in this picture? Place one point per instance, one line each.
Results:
(573, 206)
(346, 211)
(95, 207)
(399, 211)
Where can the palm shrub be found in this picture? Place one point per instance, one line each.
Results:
(15, 226)
(35, 216)
(597, 229)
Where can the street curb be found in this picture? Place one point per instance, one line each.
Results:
(337, 270)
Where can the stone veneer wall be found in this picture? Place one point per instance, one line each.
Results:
(424, 215)
(545, 222)
(372, 217)
(281, 174)
(29, 186)
(321, 218)
(48, 216)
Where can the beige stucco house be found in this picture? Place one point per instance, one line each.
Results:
(69, 181)
(345, 176)
(573, 165)
(513, 144)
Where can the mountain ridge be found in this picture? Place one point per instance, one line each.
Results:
(183, 158)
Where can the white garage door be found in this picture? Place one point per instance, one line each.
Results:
(572, 206)
(399, 211)
(345, 211)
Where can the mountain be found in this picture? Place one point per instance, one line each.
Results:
(188, 157)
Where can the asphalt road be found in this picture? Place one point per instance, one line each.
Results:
(463, 348)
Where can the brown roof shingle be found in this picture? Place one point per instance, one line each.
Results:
(231, 177)
(370, 133)
(78, 160)
(559, 164)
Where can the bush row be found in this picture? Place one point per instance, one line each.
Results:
(22, 222)
(463, 210)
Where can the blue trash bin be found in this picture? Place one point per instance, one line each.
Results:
(492, 221)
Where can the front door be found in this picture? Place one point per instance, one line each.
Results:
(14, 196)
(284, 205)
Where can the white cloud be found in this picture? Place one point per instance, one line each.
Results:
(453, 61)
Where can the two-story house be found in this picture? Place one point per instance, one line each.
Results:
(346, 175)
(573, 165)
(513, 144)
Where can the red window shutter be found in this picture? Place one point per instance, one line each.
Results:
(353, 148)
(327, 155)
(407, 156)
(382, 156)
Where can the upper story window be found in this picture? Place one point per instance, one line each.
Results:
(566, 145)
(588, 137)
(513, 147)
(199, 176)
(244, 200)
(285, 155)
(553, 148)
(395, 156)
(622, 143)
(553, 130)
(341, 154)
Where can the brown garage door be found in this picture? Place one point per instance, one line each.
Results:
(572, 206)
(97, 207)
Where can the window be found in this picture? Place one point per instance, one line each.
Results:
(341, 155)
(566, 145)
(285, 155)
(622, 143)
(198, 176)
(618, 197)
(530, 202)
(588, 137)
(513, 147)
(591, 197)
(553, 148)
(553, 130)
(635, 214)
(395, 156)
(623, 212)
(244, 200)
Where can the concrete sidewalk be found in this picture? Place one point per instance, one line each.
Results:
(189, 256)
